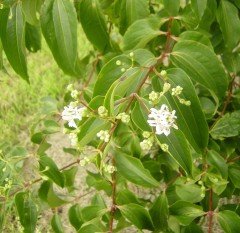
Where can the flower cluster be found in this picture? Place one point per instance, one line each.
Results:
(104, 135)
(72, 113)
(102, 111)
(162, 119)
(125, 118)
(85, 161)
(109, 168)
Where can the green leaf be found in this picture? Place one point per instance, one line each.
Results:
(229, 221)
(74, 215)
(216, 161)
(234, 174)
(49, 105)
(50, 169)
(193, 227)
(141, 32)
(59, 27)
(139, 117)
(137, 215)
(189, 192)
(109, 74)
(48, 195)
(202, 66)
(30, 8)
(159, 212)
(1, 56)
(51, 126)
(196, 36)
(57, 224)
(185, 212)
(33, 38)
(132, 169)
(13, 39)
(94, 24)
(125, 197)
(199, 7)
(130, 11)
(91, 228)
(70, 177)
(171, 6)
(190, 119)
(178, 148)
(227, 126)
(228, 19)
(27, 211)
(90, 129)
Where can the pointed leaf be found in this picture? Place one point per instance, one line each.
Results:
(201, 65)
(199, 7)
(30, 8)
(190, 119)
(110, 73)
(48, 195)
(132, 169)
(27, 211)
(141, 32)
(50, 169)
(159, 212)
(229, 22)
(171, 6)
(234, 174)
(185, 212)
(57, 224)
(178, 148)
(74, 215)
(94, 24)
(137, 215)
(33, 38)
(59, 27)
(132, 10)
(229, 221)
(227, 126)
(13, 39)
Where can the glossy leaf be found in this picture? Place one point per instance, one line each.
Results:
(199, 7)
(132, 10)
(229, 221)
(172, 6)
(141, 32)
(229, 22)
(234, 174)
(48, 195)
(90, 129)
(59, 27)
(227, 126)
(70, 177)
(132, 169)
(74, 215)
(139, 115)
(57, 224)
(91, 228)
(33, 38)
(50, 169)
(30, 8)
(216, 161)
(159, 212)
(137, 215)
(185, 212)
(27, 211)
(178, 148)
(94, 24)
(109, 74)
(190, 119)
(202, 66)
(13, 39)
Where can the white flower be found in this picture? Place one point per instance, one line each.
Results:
(109, 169)
(71, 113)
(163, 120)
(74, 94)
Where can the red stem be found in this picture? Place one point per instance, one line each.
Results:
(210, 212)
